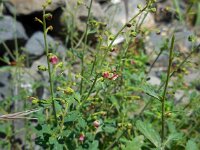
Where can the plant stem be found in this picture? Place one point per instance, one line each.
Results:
(49, 68)
(155, 61)
(84, 48)
(165, 88)
(179, 66)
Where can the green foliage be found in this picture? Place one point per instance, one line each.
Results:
(100, 97)
(149, 133)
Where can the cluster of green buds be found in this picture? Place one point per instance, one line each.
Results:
(48, 2)
(42, 68)
(67, 90)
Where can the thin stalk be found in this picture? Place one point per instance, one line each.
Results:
(155, 61)
(145, 15)
(9, 51)
(49, 68)
(93, 84)
(116, 140)
(84, 48)
(165, 88)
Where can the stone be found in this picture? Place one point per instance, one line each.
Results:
(117, 13)
(25, 7)
(4, 84)
(182, 34)
(11, 29)
(81, 12)
(153, 80)
(35, 45)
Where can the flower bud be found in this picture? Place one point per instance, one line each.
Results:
(42, 68)
(38, 20)
(139, 6)
(192, 38)
(49, 2)
(128, 25)
(50, 28)
(111, 38)
(114, 77)
(69, 91)
(81, 137)
(96, 123)
(105, 74)
(153, 10)
(48, 16)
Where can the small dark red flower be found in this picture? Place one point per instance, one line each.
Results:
(81, 137)
(106, 74)
(114, 77)
(53, 59)
(96, 123)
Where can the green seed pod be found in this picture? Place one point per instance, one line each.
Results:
(35, 101)
(69, 91)
(48, 16)
(42, 68)
(192, 38)
(134, 34)
(153, 10)
(128, 25)
(111, 38)
(49, 2)
(139, 6)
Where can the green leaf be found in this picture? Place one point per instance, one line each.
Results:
(72, 116)
(94, 145)
(149, 91)
(149, 132)
(173, 137)
(82, 123)
(135, 144)
(191, 145)
(109, 129)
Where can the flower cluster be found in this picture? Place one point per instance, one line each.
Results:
(110, 76)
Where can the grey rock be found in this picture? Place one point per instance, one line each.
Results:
(81, 12)
(182, 34)
(192, 76)
(25, 7)
(116, 14)
(11, 29)
(35, 44)
(43, 92)
(154, 80)
(4, 84)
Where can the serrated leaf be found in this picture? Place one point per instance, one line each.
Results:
(94, 145)
(82, 123)
(149, 133)
(109, 129)
(191, 145)
(72, 116)
(135, 144)
(149, 91)
(173, 137)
